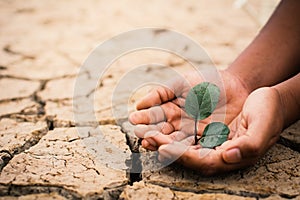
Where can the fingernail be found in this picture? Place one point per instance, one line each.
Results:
(233, 155)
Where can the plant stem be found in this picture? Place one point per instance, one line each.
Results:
(196, 132)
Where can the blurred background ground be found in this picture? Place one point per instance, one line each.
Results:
(42, 46)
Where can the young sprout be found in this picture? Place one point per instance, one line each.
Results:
(200, 103)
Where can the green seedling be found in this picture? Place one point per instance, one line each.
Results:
(200, 103)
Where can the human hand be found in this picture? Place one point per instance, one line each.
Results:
(253, 132)
(163, 108)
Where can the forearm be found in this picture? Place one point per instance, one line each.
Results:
(274, 54)
(289, 92)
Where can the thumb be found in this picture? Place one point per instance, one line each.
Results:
(155, 97)
(232, 155)
(243, 149)
(162, 94)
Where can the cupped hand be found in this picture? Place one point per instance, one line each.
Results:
(253, 132)
(163, 108)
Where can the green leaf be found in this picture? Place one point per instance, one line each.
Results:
(214, 135)
(202, 100)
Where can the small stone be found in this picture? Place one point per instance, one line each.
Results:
(16, 88)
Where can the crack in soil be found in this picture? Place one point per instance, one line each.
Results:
(37, 136)
(214, 191)
(35, 79)
(19, 190)
(9, 50)
(5, 158)
(2, 67)
(135, 168)
(28, 144)
(134, 172)
(290, 144)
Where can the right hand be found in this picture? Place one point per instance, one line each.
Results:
(253, 132)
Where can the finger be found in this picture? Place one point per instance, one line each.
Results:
(172, 89)
(163, 127)
(158, 138)
(187, 155)
(178, 147)
(154, 139)
(148, 116)
(157, 96)
(243, 149)
(206, 161)
(179, 102)
(171, 151)
(172, 112)
(147, 144)
(141, 129)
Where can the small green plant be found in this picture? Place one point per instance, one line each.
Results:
(200, 103)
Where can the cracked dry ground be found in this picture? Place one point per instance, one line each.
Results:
(46, 154)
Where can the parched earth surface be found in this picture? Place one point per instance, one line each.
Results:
(64, 103)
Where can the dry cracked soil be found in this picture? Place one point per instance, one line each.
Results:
(59, 141)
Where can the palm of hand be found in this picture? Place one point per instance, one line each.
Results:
(258, 126)
(254, 131)
(170, 118)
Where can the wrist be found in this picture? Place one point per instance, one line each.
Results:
(239, 79)
(289, 94)
(282, 103)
